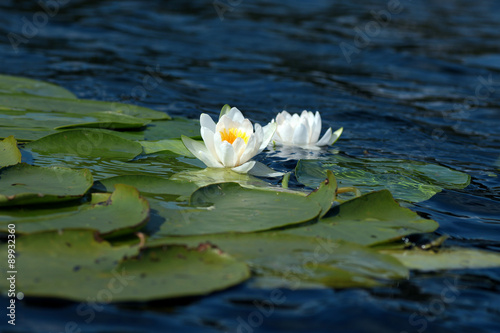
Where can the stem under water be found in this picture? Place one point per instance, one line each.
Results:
(348, 189)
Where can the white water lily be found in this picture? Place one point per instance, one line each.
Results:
(230, 143)
(303, 130)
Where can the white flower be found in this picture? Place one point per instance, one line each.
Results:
(230, 143)
(302, 130)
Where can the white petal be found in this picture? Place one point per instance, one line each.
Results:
(250, 151)
(208, 138)
(325, 140)
(262, 170)
(225, 122)
(239, 146)
(244, 168)
(316, 128)
(304, 121)
(277, 139)
(218, 146)
(269, 131)
(235, 115)
(227, 155)
(199, 150)
(246, 126)
(286, 133)
(305, 115)
(300, 136)
(295, 120)
(259, 134)
(206, 121)
(281, 117)
(335, 136)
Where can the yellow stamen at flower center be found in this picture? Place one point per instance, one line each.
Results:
(232, 134)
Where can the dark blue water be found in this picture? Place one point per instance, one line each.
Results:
(418, 81)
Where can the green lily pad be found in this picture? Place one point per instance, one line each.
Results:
(172, 129)
(175, 146)
(87, 143)
(370, 219)
(125, 211)
(326, 193)
(160, 164)
(20, 85)
(148, 184)
(25, 134)
(24, 184)
(79, 106)
(209, 176)
(446, 258)
(82, 268)
(9, 153)
(281, 260)
(109, 120)
(229, 207)
(57, 120)
(407, 180)
(165, 130)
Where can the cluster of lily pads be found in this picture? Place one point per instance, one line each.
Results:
(98, 190)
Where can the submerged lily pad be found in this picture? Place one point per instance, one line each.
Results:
(407, 180)
(446, 258)
(24, 184)
(85, 269)
(56, 120)
(123, 212)
(109, 120)
(281, 260)
(9, 153)
(148, 184)
(370, 219)
(25, 134)
(16, 85)
(228, 207)
(80, 106)
(87, 143)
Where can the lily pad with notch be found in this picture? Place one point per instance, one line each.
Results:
(370, 219)
(9, 153)
(82, 265)
(229, 207)
(297, 262)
